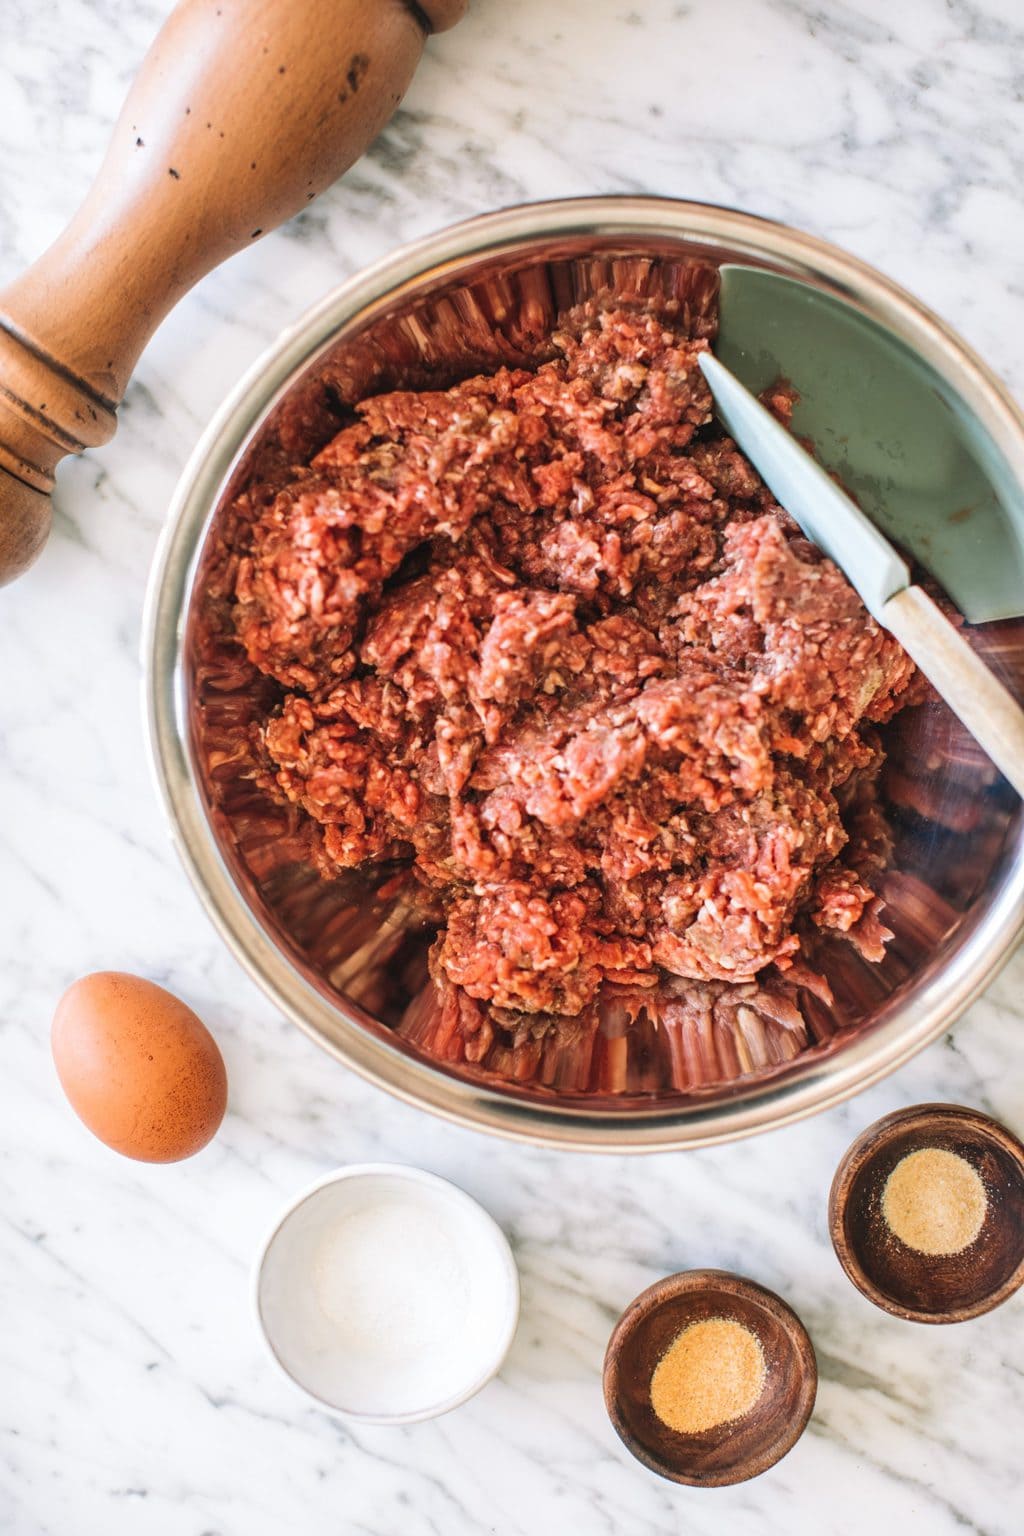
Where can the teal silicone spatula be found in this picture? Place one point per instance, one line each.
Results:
(881, 576)
(889, 427)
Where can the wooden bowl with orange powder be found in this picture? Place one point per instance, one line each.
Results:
(709, 1378)
(926, 1213)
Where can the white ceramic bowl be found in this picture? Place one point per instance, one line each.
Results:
(343, 1290)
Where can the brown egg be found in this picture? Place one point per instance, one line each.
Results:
(138, 1067)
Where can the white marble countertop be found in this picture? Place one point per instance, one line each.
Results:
(136, 1397)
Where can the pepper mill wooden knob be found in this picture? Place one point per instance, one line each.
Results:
(242, 111)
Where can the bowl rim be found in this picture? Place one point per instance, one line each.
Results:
(407, 1173)
(714, 1282)
(809, 1084)
(873, 1140)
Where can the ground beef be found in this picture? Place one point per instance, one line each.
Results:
(546, 636)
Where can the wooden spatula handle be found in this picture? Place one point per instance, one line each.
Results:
(972, 691)
(242, 111)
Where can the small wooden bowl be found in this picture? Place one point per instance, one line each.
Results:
(927, 1288)
(731, 1452)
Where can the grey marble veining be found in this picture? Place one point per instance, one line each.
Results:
(135, 1395)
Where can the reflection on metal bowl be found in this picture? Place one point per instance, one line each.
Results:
(346, 958)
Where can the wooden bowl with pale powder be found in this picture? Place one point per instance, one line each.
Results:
(709, 1378)
(926, 1213)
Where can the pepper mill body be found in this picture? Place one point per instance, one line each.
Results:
(242, 112)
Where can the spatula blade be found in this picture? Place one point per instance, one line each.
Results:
(824, 512)
(899, 439)
(835, 523)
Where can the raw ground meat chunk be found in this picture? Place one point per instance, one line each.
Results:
(546, 636)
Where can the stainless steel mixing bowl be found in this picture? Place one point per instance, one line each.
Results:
(345, 959)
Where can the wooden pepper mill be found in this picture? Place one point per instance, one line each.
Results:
(242, 111)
